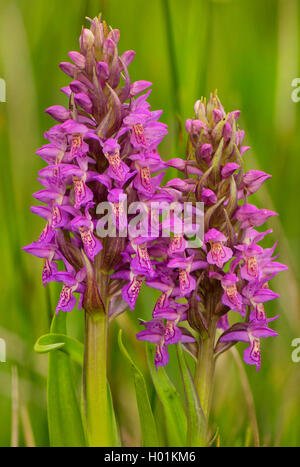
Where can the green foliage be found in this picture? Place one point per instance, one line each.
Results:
(197, 425)
(69, 345)
(175, 416)
(114, 429)
(64, 415)
(147, 422)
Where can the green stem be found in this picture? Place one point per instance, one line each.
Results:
(204, 375)
(95, 379)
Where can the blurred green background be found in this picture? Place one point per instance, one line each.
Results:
(250, 52)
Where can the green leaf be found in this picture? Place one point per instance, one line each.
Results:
(210, 211)
(216, 162)
(114, 429)
(196, 431)
(69, 345)
(147, 422)
(64, 417)
(75, 349)
(175, 416)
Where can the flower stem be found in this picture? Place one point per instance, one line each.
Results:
(204, 375)
(95, 379)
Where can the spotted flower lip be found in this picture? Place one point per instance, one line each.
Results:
(141, 264)
(131, 290)
(177, 245)
(85, 227)
(146, 131)
(187, 282)
(145, 184)
(218, 254)
(162, 334)
(71, 284)
(250, 333)
(231, 297)
(118, 170)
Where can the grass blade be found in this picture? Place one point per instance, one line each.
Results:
(114, 433)
(196, 431)
(175, 416)
(147, 422)
(27, 428)
(69, 345)
(248, 395)
(64, 417)
(15, 408)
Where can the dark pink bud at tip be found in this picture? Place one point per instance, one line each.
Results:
(58, 112)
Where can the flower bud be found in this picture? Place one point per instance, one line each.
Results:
(58, 112)
(86, 40)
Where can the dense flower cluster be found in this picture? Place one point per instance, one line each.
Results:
(104, 148)
(230, 271)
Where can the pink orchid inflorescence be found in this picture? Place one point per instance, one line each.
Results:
(230, 271)
(103, 149)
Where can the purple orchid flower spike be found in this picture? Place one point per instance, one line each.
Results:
(103, 150)
(101, 153)
(227, 274)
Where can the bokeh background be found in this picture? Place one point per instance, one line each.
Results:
(249, 51)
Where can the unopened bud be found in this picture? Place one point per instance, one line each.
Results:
(86, 40)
